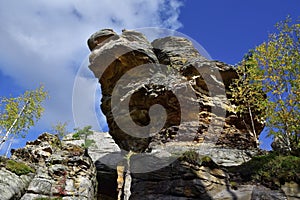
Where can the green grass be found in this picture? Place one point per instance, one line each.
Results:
(18, 168)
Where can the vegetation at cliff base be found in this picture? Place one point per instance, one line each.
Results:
(271, 169)
(268, 89)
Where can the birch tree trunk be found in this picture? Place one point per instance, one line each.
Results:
(252, 124)
(13, 124)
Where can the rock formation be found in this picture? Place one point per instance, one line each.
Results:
(190, 177)
(196, 148)
(136, 75)
(60, 170)
(113, 60)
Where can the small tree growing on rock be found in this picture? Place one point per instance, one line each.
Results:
(83, 134)
(247, 93)
(60, 129)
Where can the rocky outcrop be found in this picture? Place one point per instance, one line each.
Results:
(196, 174)
(184, 180)
(292, 190)
(170, 72)
(106, 155)
(60, 170)
(181, 179)
(136, 76)
(12, 185)
(193, 149)
(64, 170)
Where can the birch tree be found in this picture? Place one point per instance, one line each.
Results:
(274, 68)
(20, 113)
(280, 59)
(247, 93)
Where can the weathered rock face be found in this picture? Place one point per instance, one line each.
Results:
(12, 185)
(61, 170)
(113, 61)
(292, 190)
(106, 155)
(184, 180)
(135, 75)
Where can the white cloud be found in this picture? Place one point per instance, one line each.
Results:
(45, 41)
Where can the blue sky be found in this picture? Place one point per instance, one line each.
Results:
(45, 41)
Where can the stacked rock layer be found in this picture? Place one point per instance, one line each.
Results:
(135, 75)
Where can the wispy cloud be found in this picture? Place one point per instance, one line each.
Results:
(45, 41)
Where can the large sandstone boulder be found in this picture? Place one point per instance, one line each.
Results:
(173, 72)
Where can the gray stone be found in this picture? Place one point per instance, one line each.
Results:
(263, 193)
(29, 196)
(40, 186)
(292, 190)
(13, 186)
(222, 156)
(104, 144)
(62, 169)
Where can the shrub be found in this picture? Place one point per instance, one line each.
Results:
(271, 169)
(84, 133)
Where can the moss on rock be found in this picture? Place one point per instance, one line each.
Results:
(18, 168)
(193, 157)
